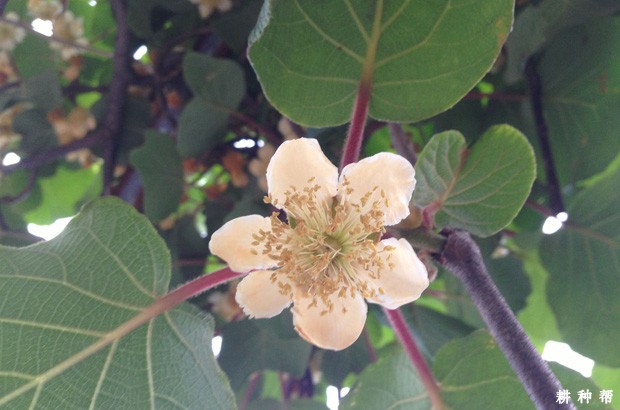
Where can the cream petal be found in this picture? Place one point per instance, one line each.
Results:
(335, 330)
(259, 297)
(294, 164)
(391, 174)
(404, 277)
(233, 243)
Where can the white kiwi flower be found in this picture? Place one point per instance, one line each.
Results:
(327, 257)
(11, 34)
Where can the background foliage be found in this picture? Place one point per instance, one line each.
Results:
(182, 135)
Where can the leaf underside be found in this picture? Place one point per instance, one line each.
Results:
(62, 302)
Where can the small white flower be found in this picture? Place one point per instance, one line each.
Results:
(258, 165)
(44, 9)
(10, 34)
(69, 28)
(329, 258)
(207, 7)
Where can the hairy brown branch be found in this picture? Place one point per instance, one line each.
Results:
(118, 89)
(41, 158)
(462, 257)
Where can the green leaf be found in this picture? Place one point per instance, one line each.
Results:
(43, 89)
(64, 192)
(34, 56)
(580, 74)
(574, 382)
(390, 383)
(422, 56)
(218, 81)
(200, 129)
(37, 133)
(247, 348)
(539, 22)
(161, 171)
(537, 318)
(433, 329)
(16, 234)
(583, 261)
(63, 303)
(473, 374)
(271, 404)
(336, 365)
(14, 185)
(219, 87)
(606, 377)
(507, 274)
(98, 19)
(136, 118)
(480, 190)
(234, 27)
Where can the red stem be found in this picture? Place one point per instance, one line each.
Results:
(254, 379)
(372, 353)
(353, 143)
(196, 287)
(406, 339)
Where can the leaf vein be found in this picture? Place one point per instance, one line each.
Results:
(423, 42)
(46, 326)
(76, 289)
(330, 40)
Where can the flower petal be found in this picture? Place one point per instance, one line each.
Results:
(259, 296)
(294, 164)
(335, 330)
(404, 278)
(391, 174)
(233, 243)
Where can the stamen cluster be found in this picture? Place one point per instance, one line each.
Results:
(323, 245)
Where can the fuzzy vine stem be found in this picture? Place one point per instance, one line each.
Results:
(462, 257)
(405, 337)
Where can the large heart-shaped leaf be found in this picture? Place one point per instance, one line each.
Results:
(580, 74)
(539, 22)
(422, 56)
(583, 261)
(473, 374)
(67, 309)
(480, 190)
